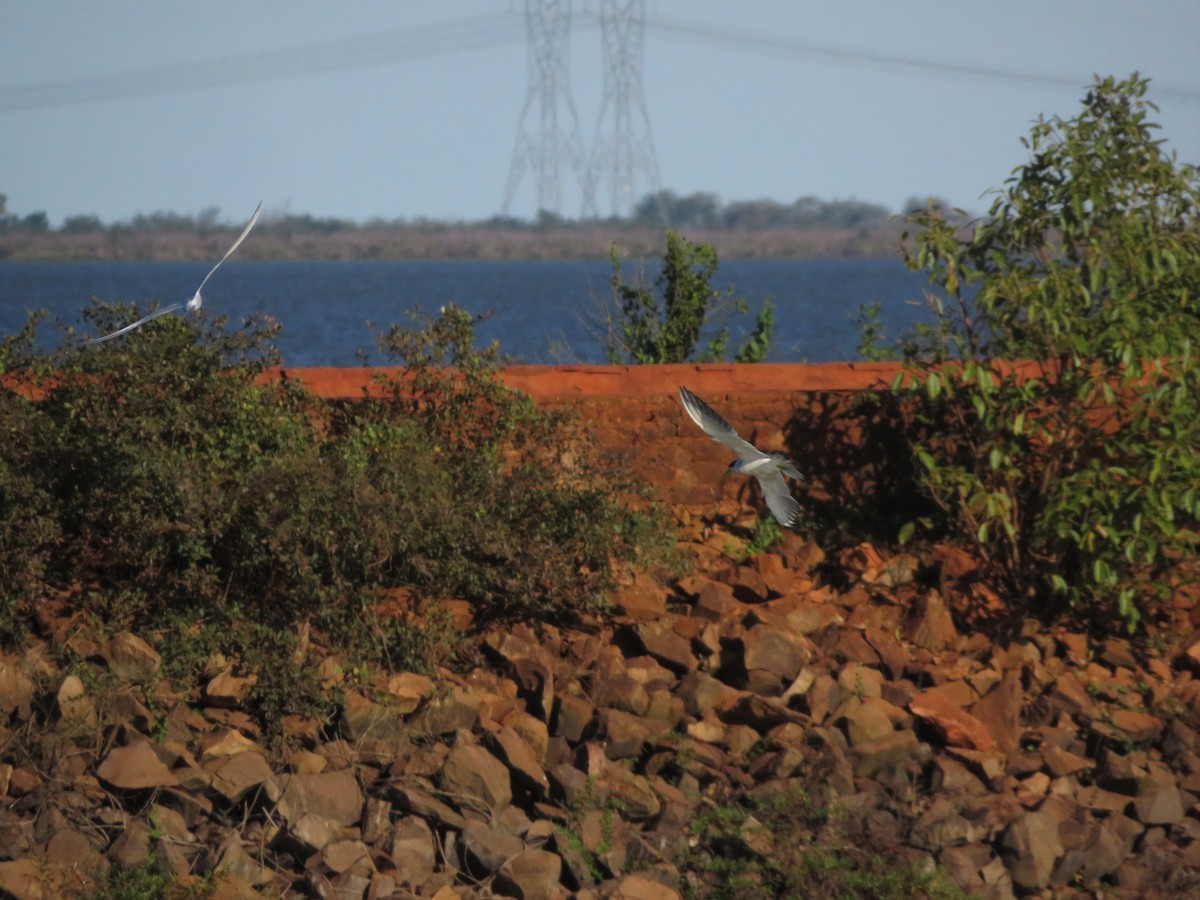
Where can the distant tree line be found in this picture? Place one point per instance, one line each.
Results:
(656, 210)
(705, 210)
(34, 223)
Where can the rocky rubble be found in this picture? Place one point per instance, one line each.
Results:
(584, 762)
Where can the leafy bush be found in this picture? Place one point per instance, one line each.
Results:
(872, 343)
(647, 329)
(1075, 475)
(28, 528)
(544, 523)
(167, 484)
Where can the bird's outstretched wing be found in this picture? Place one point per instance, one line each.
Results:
(716, 427)
(241, 237)
(779, 499)
(193, 304)
(786, 466)
(142, 321)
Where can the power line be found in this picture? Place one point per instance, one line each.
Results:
(793, 49)
(402, 44)
(395, 45)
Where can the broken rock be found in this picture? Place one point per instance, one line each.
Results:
(1030, 847)
(131, 658)
(521, 759)
(73, 702)
(316, 807)
(999, 711)
(958, 727)
(781, 653)
(531, 875)
(236, 776)
(16, 689)
(472, 774)
(930, 625)
(135, 766)
(486, 848)
(413, 850)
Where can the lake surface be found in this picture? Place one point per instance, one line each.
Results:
(541, 312)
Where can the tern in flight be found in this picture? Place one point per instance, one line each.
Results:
(768, 468)
(193, 304)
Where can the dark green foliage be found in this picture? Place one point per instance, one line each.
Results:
(27, 529)
(531, 503)
(170, 485)
(1077, 478)
(872, 342)
(666, 327)
(759, 343)
(767, 533)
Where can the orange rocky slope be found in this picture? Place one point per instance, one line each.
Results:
(711, 736)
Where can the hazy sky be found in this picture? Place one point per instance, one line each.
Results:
(409, 108)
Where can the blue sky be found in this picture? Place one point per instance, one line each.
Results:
(410, 108)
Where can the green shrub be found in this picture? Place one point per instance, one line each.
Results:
(873, 345)
(767, 533)
(1076, 478)
(28, 528)
(647, 328)
(169, 486)
(543, 521)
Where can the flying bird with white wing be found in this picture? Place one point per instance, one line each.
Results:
(767, 468)
(193, 304)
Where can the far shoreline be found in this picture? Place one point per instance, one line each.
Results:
(585, 241)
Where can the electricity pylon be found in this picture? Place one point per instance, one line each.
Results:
(544, 143)
(623, 149)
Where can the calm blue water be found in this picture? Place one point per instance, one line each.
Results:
(542, 312)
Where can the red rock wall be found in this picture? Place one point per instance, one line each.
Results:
(634, 415)
(557, 384)
(847, 452)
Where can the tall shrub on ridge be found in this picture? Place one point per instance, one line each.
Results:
(666, 327)
(1076, 479)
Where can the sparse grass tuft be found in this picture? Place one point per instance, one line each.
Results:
(147, 883)
(767, 533)
(783, 844)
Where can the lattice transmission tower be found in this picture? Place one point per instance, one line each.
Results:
(623, 149)
(548, 137)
